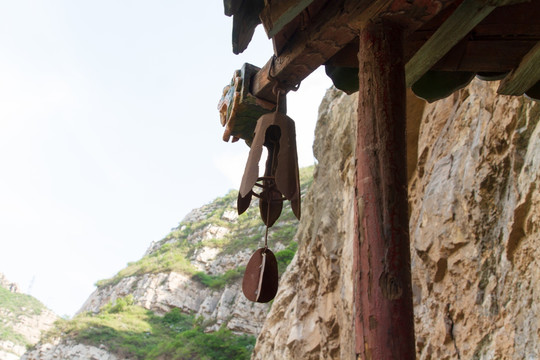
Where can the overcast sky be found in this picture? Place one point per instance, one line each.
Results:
(109, 132)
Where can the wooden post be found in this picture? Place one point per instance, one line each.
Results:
(384, 312)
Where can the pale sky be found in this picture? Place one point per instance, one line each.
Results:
(109, 132)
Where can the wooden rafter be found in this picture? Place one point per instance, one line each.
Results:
(524, 76)
(477, 56)
(469, 14)
(459, 24)
(305, 52)
(507, 34)
(328, 33)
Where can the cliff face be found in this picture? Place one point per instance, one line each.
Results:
(22, 320)
(474, 225)
(215, 240)
(165, 291)
(197, 270)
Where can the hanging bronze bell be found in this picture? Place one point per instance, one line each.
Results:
(275, 131)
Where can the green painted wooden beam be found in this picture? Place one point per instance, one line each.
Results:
(459, 24)
(524, 76)
(279, 13)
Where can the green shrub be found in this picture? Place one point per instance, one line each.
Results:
(131, 331)
(120, 305)
(195, 344)
(285, 256)
(20, 304)
(166, 259)
(178, 321)
(219, 281)
(284, 233)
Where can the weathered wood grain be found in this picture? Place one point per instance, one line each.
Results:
(485, 56)
(336, 25)
(278, 13)
(465, 18)
(383, 294)
(524, 76)
(459, 24)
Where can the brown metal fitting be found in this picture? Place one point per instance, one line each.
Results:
(275, 131)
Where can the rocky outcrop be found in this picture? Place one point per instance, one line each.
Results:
(212, 239)
(6, 284)
(474, 225)
(22, 320)
(165, 291)
(69, 350)
(10, 350)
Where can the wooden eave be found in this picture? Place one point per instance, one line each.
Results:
(495, 36)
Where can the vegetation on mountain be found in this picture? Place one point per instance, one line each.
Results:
(219, 281)
(168, 258)
(13, 305)
(285, 256)
(131, 331)
(246, 232)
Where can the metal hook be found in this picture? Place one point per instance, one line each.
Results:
(277, 85)
(269, 75)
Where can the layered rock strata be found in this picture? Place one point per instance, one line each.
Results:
(163, 292)
(475, 227)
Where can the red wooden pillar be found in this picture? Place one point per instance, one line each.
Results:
(384, 312)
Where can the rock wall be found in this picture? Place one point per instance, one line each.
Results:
(475, 227)
(474, 224)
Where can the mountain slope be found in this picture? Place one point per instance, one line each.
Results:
(22, 319)
(183, 295)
